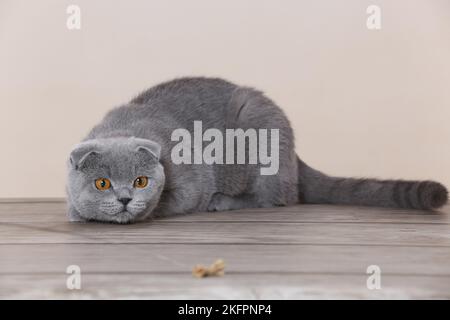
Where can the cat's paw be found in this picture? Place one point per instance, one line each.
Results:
(79, 220)
(219, 202)
(74, 215)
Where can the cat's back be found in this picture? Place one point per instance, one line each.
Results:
(187, 90)
(182, 101)
(171, 104)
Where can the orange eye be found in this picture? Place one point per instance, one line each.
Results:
(102, 184)
(140, 182)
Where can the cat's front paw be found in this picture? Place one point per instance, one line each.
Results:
(74, 215)
(219, 202)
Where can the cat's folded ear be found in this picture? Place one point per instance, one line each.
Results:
(150, 149)
(82, 152)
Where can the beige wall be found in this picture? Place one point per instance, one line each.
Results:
(366, 103)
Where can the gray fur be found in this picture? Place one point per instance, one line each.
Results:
(134, 140)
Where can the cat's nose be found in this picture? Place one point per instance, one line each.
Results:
(125, 200)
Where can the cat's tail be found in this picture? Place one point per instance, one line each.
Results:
(316, 187)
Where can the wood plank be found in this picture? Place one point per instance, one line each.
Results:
(239, 286)
(230, 233)
(20, 200)
(138, 258)
(292, 252)
(29, 213)
(56, 212)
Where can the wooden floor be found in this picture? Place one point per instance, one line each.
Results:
(300, 252)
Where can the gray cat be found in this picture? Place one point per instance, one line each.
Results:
(123, 171)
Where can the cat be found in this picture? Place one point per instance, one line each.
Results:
(123, 172)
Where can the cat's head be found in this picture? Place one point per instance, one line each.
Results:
(115, 179)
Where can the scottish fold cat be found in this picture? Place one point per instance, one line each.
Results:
(124, 170)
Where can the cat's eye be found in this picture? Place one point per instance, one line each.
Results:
(102, 184)
(140, 182)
